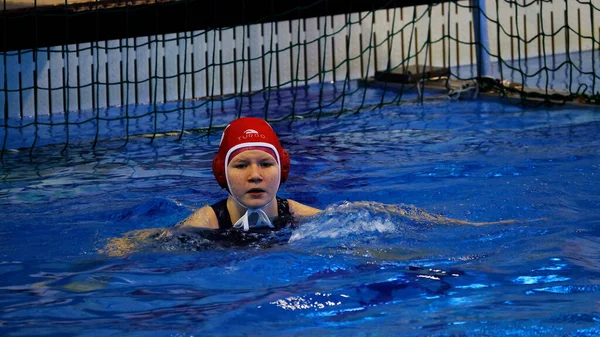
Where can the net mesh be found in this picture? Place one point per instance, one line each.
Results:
(307, 61)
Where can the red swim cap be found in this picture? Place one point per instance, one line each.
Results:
(248, 132)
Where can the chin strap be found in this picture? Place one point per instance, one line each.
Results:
(253, 218)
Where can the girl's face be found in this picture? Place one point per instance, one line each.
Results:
(253, 177)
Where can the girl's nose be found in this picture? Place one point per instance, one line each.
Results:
(254, 174)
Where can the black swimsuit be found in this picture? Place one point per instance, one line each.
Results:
(284, 216)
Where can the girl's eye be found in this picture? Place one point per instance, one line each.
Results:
(240, 165)
(266, 164)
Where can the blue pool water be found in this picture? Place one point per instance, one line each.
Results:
(372, 264)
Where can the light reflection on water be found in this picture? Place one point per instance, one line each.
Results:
(360, 267)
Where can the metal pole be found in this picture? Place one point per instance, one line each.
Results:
(481, 38)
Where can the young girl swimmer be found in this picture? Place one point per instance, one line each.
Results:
(251, 165)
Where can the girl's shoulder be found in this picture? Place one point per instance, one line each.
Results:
(300, 210)
(204, 217)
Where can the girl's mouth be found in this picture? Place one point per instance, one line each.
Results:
(255, 191)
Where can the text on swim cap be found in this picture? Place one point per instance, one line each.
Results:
(250, 133)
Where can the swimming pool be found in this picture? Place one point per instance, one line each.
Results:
(362, 267)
